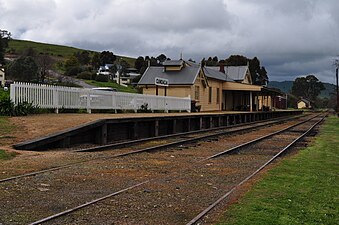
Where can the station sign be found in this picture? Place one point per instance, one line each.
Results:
(161, 82)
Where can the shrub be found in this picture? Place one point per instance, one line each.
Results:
(73, 71)
(85, 75)
(101, 78)
(7, 107)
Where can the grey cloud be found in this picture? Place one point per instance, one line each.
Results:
(291, 38)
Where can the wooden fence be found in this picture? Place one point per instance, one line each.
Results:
(57, 97)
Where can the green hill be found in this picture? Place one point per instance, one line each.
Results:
(286, 87)
(16, 47)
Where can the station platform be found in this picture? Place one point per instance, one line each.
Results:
(67, 130)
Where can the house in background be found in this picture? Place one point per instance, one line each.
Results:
(304, 103)
(2, 76)
(210, 88)
(120, 77)
(125, 78)
(106, 70)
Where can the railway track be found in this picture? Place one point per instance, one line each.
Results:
(254, 147)
(168, 141)
(276, 153)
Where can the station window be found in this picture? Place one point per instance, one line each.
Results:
(218, 95)
(210, 95)
(196, 93)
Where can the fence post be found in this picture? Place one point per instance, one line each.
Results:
(12, 92)
(88, 107)
(56, 99)
(135, 104)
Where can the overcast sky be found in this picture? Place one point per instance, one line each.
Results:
(290, 37)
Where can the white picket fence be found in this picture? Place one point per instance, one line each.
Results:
(57, 97)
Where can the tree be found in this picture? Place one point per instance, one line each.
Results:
(72, 66)
(236, 60)
(96, 60)
(139, 63)
(161, 58)
(83, 57)
(5, 36)
(308, 87)
(107, 57)
(44, 63)
(23, 69)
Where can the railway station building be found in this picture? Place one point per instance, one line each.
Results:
(224, 88)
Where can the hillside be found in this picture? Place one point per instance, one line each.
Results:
(16, 47)
(286, 87)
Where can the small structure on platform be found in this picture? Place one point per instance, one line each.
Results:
(224, 88)
(304, 103)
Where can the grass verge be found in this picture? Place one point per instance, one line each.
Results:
(300, 190)
(6, 131)
(6, 155)
(5, 127)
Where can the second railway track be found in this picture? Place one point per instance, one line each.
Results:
(151, 144)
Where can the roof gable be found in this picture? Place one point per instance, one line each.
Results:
(236, 73)
(186, 75)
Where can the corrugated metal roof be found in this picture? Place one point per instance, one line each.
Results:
(236, 73)
(215, 74)
(173, 63)
(186, 75)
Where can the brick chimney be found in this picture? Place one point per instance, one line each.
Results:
(222, 68)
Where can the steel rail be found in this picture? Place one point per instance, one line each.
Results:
(68, 211)
(212, 206)
(149, 148)
(258, 139)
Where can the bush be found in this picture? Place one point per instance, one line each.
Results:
(85, 75)
(102, 78)
(73, 71)
(7, 107)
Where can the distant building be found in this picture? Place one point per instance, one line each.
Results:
(122, 78)
(304, 103)
(2, 76)
(105, 70)
(127, 77)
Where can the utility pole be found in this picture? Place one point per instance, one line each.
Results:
(336, 75)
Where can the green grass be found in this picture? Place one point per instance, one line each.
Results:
(6, 155)
(112, 85)
(5, 127)
(54, 50)
(300, 190)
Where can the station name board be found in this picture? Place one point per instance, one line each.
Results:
(161, 82)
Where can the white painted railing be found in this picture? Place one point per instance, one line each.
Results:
(57, 97)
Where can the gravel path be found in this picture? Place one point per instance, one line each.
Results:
(69, 79)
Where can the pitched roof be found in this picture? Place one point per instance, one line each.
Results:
(186, 75)
(304, 100)
(215, 74)
(173, 63)
(236, 73)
